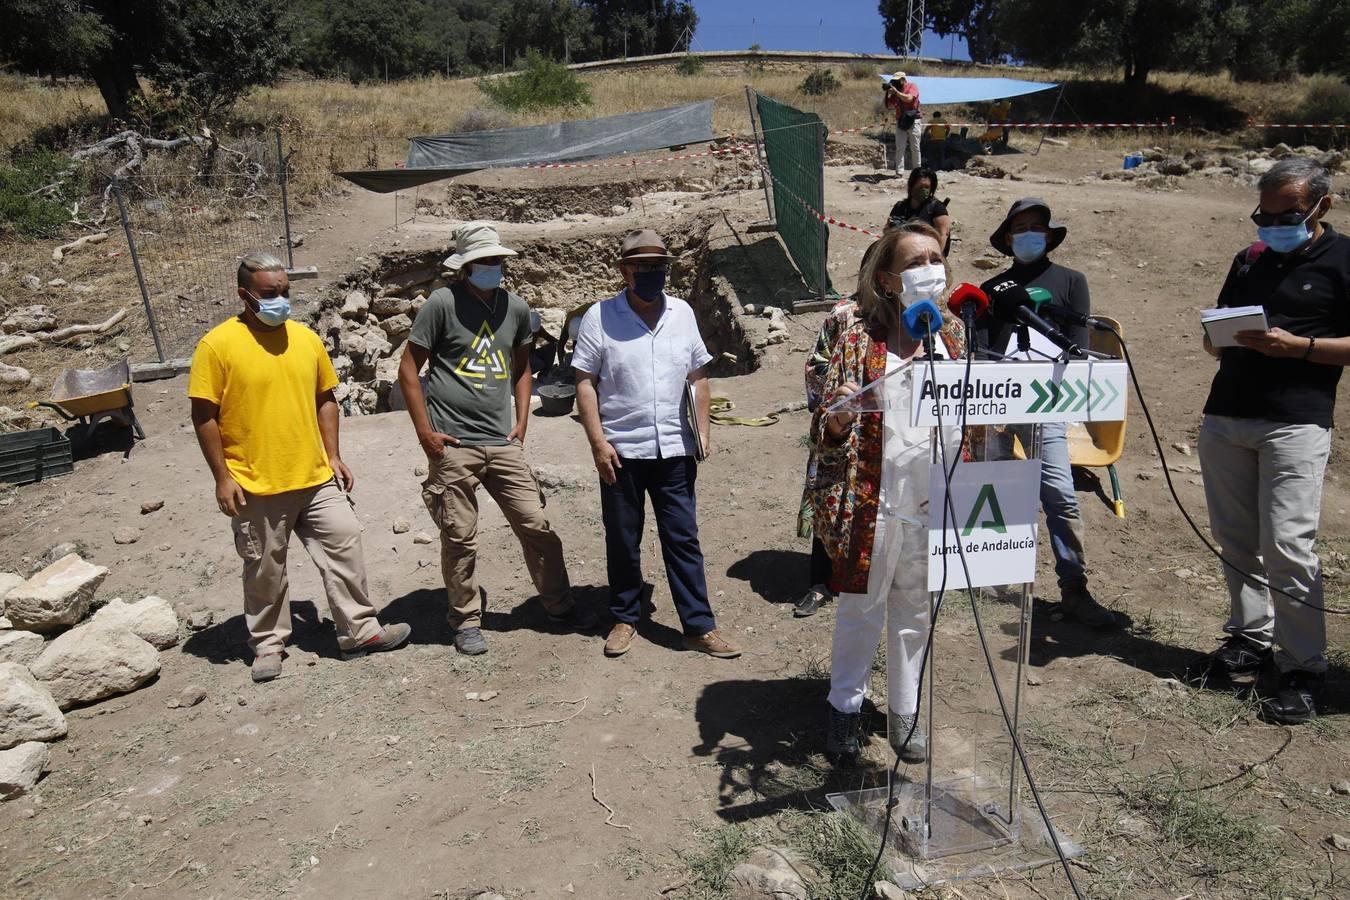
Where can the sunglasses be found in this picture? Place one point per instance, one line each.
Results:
(646, 268)
(1292, 217)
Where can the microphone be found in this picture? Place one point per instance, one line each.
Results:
(1038, 296)
(1073, 317)
(970, 303)
(1012, 303)
(921, 320)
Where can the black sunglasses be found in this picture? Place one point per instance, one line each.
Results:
(1291, 217)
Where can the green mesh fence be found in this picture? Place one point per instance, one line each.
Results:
(794, 145)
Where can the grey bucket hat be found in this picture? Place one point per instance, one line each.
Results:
(1058, 230)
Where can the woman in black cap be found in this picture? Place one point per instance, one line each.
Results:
(1028, 234)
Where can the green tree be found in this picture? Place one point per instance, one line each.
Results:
(1324, 45)
(973, 20)
(651, 26)
(1137, 36)
(559, 29)
(205, 54)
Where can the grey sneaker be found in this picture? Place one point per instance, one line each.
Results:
(391, 637)
(1078, 603)
(843, 742)
(470, 642)
(907, 737)
(810, 602)
(266, 667)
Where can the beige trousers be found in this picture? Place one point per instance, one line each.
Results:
(449, 495)
(324, 520)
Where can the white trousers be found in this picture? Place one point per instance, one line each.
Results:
(896, 602)
(907, 146)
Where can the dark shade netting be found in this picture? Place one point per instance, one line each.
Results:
(795, 150)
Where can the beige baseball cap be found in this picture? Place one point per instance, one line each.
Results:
(643, 243)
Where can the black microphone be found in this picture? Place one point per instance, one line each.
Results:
(1072, 317)
(970, 303)
(1011, 304)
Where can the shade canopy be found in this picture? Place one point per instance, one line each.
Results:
(935, 90)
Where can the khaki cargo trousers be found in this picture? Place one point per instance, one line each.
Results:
(449, 493)
(327, 526)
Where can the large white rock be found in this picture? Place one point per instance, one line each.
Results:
(27, 710)
(94, 662)
(56, 597)
(152, 619)
(20, 647)
(21, 768)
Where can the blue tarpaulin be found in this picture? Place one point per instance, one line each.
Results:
(937, 90)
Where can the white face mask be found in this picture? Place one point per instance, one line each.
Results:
(923, 283)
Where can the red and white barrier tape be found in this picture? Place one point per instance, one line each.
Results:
(1291, 125)
(829, 220)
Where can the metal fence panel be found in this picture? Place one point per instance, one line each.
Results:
(794, 142)
(186, 233)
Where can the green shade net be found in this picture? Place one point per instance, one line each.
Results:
(794, 147)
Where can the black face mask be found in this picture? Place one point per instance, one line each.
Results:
(649, 285)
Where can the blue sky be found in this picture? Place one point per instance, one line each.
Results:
(852, 25)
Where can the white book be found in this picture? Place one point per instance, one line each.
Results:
(1222, 324)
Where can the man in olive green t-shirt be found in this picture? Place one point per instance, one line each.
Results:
(476, 336)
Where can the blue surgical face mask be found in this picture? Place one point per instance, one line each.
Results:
(1284, 238)
(485, 278)
(1028, 246)
(273, 311)
(649, 285)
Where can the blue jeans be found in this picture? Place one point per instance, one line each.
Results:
(670, 484)
(1062, 518)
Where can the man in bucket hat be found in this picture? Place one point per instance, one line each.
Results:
(1029, 233)
(637, 357)
(477, 337)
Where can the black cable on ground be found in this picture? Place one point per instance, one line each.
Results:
(1171, 488)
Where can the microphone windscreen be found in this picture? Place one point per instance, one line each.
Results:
(964, 293)
(1038, 296)
(922, 319)
(1006, 297)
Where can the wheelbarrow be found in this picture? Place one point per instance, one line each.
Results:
(93, 396)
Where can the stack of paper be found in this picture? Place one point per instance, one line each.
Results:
(1221, 325)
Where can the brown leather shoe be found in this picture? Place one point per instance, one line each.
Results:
(620, 639)
(712, 644)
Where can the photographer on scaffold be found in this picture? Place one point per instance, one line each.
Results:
(870, 491)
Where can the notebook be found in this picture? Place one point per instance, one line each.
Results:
(1221, 325)
(691, 417)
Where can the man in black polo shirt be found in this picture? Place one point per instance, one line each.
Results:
(1028, 234)
(1267, 433)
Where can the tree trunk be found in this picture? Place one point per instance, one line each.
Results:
(116, 80)
(1136, 74)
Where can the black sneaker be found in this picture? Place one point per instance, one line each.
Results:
(470, 641)
(810, 602)
(1295, 702)
(1239, 657)
(843, 743)
(576, 618)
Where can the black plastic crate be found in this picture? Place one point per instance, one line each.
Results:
(29, 456)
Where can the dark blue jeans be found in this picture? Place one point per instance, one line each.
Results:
(670, 483)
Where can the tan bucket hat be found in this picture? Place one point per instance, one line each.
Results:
(475, 240)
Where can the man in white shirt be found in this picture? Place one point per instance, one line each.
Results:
(636, 354)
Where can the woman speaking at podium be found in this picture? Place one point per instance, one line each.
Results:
(870, 494)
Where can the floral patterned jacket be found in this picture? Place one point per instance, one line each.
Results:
(846, 479)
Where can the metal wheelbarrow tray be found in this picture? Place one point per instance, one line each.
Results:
(91, 396)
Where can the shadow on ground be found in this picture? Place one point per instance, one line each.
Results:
(769, 738)
(778, 576)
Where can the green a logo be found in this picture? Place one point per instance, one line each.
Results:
(995, 520)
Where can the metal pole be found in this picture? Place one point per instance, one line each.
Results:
(1023, 654)
(759, 156)
(1054, 109)
(140, 277)
(285, 204)
(824, 229)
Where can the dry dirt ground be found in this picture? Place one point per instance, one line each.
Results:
(378, 778)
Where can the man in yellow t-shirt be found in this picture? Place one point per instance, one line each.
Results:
(267, 422)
